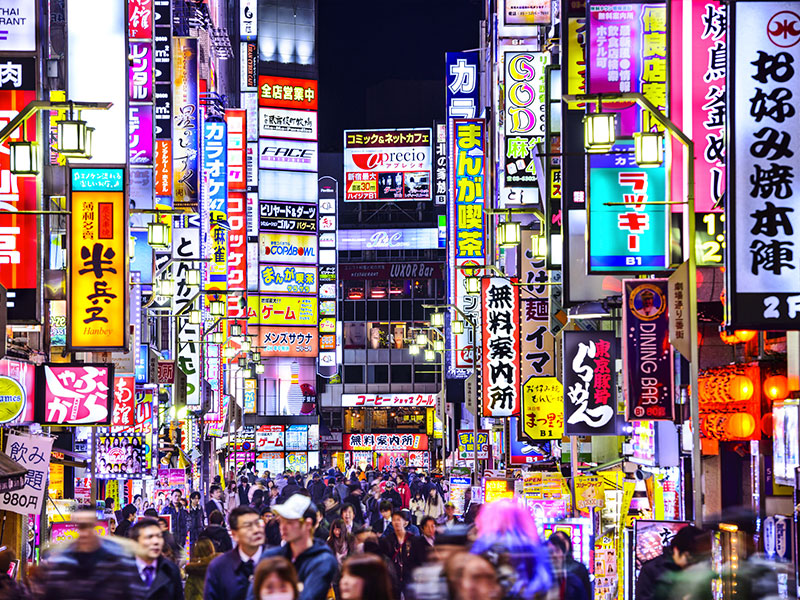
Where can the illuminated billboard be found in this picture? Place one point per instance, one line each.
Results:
(74, 394)
(98, 284)
(288, 279)
(281, 248)
(387, 164)
(287, 341)
(288, 124)
(282, 310)
(287, 92)
(288, 155)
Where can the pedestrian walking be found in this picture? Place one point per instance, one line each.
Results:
(315, 563)
(365, 577)
(161, 577)
(196, 517)
(217, 533)
(214, 502)
(230, 575)
(202, 554)
(399, 548)
(275, 579)
(179, 518)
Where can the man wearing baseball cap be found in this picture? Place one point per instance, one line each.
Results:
(313, 560)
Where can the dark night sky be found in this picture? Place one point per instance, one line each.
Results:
(381, 63)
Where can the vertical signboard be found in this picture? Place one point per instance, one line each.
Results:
(466, 224)
(543, 406)
(763, 278)
(628, 53)
(19, 248)
(697, 55)
(329, 346)
(631, 236)
(537, 347)
(647, 359)
(501, 360)
(463, 84)
(185, 123)
(236, 120)
(590, 382)
(98, 274)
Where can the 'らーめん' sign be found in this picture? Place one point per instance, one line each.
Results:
(763, 288)
(590, 388)
(98, 282)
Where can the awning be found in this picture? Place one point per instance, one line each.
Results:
(12, 474)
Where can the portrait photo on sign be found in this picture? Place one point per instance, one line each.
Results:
(121, 456)
(647, 302)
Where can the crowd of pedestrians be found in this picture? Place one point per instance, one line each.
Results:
(371, 536)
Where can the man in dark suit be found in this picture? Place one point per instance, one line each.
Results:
(160, 576)
(215, 501)
(228, 576)
(384, 522)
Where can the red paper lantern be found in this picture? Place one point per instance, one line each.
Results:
(728, 338)
(744, 335)
(766, 424)
(741, 388)
(776, 387)
(740, 425)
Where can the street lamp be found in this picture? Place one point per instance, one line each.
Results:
(236, 330)
(539, 246)
(438, 345)
(422, 339)
(430, 355)
(437, 319)
(245, 345)
(217, 337)
(193, 277)
(24, 158)
(599, 131)
(413, 349)
(457, 326)
(195, 317)
(473, 285)
(260, 368)
(217, 308)
(648, 149)
(165, 286)
(158, 235)
(509, 234)
(71, 136)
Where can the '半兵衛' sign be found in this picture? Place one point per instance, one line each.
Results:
(763, 277)
(590, 389)
(98, 283)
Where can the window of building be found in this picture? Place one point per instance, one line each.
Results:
(353, 374)
(377, 373)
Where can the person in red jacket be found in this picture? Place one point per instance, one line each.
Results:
(404, 491)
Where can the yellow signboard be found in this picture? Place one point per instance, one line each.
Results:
(543, 408)
(589, 492)
(282, 310)
(98, 288)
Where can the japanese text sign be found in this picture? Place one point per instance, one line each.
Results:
(287, 341)
(543, 409)
(647, 360)
(501, 364)
(382, 442)
(390, 400)
(297, 249)
(215, 166)
(525, 93)
(282, 310)
(98, 283)
(466, 445)
(140, 72)
(185, 123)
(19, 248)
(33, 453)
(237, 148)
(74, 394)
(590, 388)
(166, 371)
(763, 288)
(466, 221)
(463, 84)
(124, 401)
(537, 343)
(269, 438)
(387, 164)
(628, 53)
(140, 19)
(287, 92)
(140, 134)
(697, 55)
(630, 237)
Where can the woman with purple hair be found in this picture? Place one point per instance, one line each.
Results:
(507, 537)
